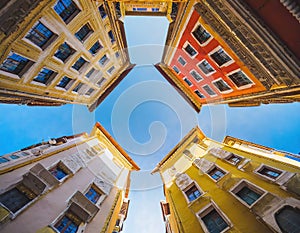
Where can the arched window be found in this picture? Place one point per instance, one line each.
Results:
(287, 219)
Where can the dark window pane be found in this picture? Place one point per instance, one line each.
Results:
(196, 75)
(288, 219)
(14, 64)
(272, 173)
(206, 67)
(220, 57)
(3, 160)
(64, 51)
(90, 73)
(221, 85)
(84, 32)
(189, 49)
(66, 9)
(93, 195)
(188, 82)
(68, 224)
(102, 12)
(90, 91)
(201, 34)
(193, 193)
(198, 93)
(216, 173)
(44, 76)
(110, 70)
(239, 79)
(176, 69)
(248, 195)
(103, 60)
(95, 48)
(64, 82)
(181, 61)
(79, 63)
(58, 173)
(79, 85)
(214, 222)
(209, 90)
(111, 36)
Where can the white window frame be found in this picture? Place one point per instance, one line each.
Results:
(200, 93)
(207, 92)
(226, 63)
(237, 187)
(222, 92)
(175, 70)
(218, 167)
(235, 164)
(43, 84)
(185, 45)
(256, 171)
(206, 42)
(68, 86)
(187, 188)
(242, 87)
(204, 211)
(210, 73)
(180, 57)
(197, 73)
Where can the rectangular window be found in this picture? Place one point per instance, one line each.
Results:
(206, 67)
(240, 79)
(176, 69)
(155, 9)
(269, 172)
(101, 81)
(45, 76)
(95, 48)
(93, 194)
(234, 159)
(41, 36)
(3, 160)
(77, 88)
(59, 171)
(68, 223)
(16, 64)
(90, 91)
(111, 36)
(209, 90)
(201, 34)
(192, 193)
(221, 85)
(199, 94)
(188, 82)
(16, 198)
(181, 61)
(196, 75)
(190, 50)
(88, 74)
(102, 12)
(247, 193)
(214, 222)
(79, 64)
(110, 70)
(64, 82)
(84, 32)
(220, 57)
(66, 9)
(64, 52)
(103, 60)
(216, 173)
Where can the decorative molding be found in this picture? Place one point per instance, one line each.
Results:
(293, 7)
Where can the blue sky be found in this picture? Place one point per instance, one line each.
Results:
(156, 118)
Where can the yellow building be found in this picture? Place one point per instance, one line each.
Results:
(234, 186)
(78, 183)
(60, 51)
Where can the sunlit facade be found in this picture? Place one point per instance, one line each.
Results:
(233, 186)
(234, 52)
(58, 52)
(74, 184)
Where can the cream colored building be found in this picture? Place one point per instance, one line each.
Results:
(69, 184)
(60, 51)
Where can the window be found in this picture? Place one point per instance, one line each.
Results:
(192, 193)
(45, 76)
(77, 88)
(240, 79)
(59, 171)
(90, 91)
(269, 172)
(101, 81)
(79, 64)
(221, 85)
(102, 12)
(190, 50)
(110, 70)
(220, 57)
(155, 9)
(14, 156)
(93, 194)
(66, 9)
(84, 33)
(181, 61)
(3, 160)
(206, 67)
(287, 219)
(188, 82)
(117, 54)
(64, 51)
(176, 69)
(214, 222)
(88, 74)
(103, 60)
(111, 36)
(247, 193)
(40, 35)
(216, 173)
(201, 34)
(16, 64)
(196, 75)
(209, 90)
(16, 198)
(95, 48)
(68, 223)
(233, 159)
(199, 94)
(64, 82)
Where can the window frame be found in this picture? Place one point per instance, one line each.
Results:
(68, 172)
(81, 68)
(208, 209)
(206, 42)
(90, 32)
(204, 97)
(71, 16)
(233, 154)
(100, 47)
(193, 183)
(211, 89)
(98, 190)
(219, 169)
(72, 52)
(61, 216)
(262, 166)
(198, 74)
(182, 59)
(226, 84)
(245, 183)
(211, 72)
(184, 49)
(175, 69)
(186, 82)
(48, 81)
(68, 85)
(231, 61)
(241, 87)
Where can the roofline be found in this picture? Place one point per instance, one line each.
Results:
(120, 149)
